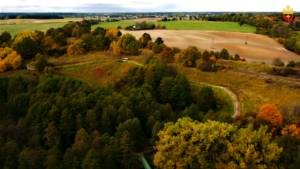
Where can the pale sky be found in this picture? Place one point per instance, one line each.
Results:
(106, 6)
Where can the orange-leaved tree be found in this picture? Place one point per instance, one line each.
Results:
(271, 114)
(292, 130)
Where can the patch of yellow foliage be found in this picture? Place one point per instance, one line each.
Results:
(9, 59)
(34, 36)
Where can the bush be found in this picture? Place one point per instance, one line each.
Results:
(278, 62)
(176, 50)
(291, 64)
(224, 54)
(208, 66)
(236, 57)
(129, 27)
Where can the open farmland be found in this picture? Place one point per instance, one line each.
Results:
(15, 26)
(260, 48)
(187, 25)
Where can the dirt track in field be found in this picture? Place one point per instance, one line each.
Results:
(259, 48)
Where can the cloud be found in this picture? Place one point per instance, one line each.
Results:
(139, 2)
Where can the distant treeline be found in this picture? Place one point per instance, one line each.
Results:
(31, 16)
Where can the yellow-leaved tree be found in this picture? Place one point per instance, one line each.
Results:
(190, 144)
(113, 33)
(9, 59)
(34, 36)
(77, 47)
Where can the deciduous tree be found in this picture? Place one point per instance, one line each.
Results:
(167, 55)
(271, 114)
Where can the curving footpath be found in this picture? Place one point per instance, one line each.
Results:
(235, 101)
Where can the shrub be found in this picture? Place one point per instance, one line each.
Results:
(236, 57)
(291, 64)
(208, 66)
(224, 54)
(278, 62)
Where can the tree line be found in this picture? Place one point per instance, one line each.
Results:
(31, 16)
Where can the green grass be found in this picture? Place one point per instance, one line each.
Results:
(220, 95)
(32, 24)
(252, 91)
(187, 25)
(298, 32)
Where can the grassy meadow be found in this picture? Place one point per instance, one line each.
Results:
(252, 91)
(15, 26)
(187, 25)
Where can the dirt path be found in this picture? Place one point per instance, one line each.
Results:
(235, 101)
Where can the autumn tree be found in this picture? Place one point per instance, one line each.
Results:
(144, 40)
(75, 32)
(27, 48)
(156, 48)
(128, 45)
(61, 39)
(167, 55)
(47, 45)
(190, 144)
(188, 56)
(12, 60)
(101, 43)
(25, 34)
(292, 130)
(113, 33)
(271, 114)
(150, 44)
(78, 47)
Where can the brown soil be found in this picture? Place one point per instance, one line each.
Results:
(259, 48)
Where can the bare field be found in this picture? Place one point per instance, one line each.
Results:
(259, 48)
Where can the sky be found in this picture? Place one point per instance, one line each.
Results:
(112, 6)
